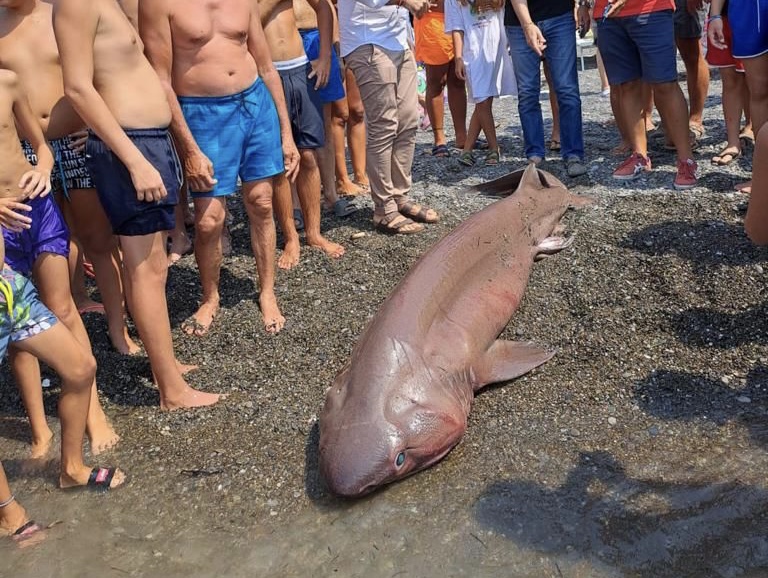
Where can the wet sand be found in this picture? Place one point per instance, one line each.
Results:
(638, 450)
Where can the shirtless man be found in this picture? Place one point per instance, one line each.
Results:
(28, 47)
(25, 323)
(100, 48)
(215, 67)
(296, 72)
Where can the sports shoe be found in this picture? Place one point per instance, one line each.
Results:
(632, 168)
(575, 167)
(686, 174)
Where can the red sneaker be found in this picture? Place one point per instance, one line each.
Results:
(686, 174)
(632, 168)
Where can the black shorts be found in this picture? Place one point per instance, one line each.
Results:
(304, 109)
(126, 213)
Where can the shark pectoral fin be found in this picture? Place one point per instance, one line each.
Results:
(506, 360)
(552, 245)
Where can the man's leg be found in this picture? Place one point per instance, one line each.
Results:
(697, 73)
(756, 70)
(257, 197)
(308, 189)
(210, 213)
(528, 74)
(282, 201)
(146, 268)
(356, 133)
(180, 243)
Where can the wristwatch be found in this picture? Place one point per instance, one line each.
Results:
(585, 4)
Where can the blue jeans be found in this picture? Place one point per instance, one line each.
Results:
(560, 34)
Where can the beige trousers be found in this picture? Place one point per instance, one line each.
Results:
(387, 81)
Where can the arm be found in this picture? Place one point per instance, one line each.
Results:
(155, 26)
(533, 36)
(257, 46)
(74, 25)
(322, 67)
(36, 181)
(715, 29)
(458, 50)
(756, 221)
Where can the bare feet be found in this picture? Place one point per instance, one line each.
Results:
(744, 187)
(333, 250)
(273, 319)
(347, 187)
(96, 478)
(186, 368)
(101, 435)
(180, 246)
(122, 342)
(41, 447)
(189, 399)
(15, 523)
(200, 323)
(290, 256)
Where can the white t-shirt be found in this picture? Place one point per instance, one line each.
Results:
(372, 22)
(487, 62)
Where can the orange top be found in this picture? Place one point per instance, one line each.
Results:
(634, 7)
(433, 45)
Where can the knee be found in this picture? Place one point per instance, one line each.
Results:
(308, 160)
(208, 225)
(356, 114)
(258, 202)
(81, 372)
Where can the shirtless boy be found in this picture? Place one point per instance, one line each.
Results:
(28, 48)
(25, 323)
(287, 49)
(215, 67)
(129, 115)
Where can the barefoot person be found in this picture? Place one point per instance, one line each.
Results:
(302, 82)
(25, 323)
(112, 86)
(28, 47)
(223, 78)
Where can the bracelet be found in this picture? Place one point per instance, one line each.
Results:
(585, 4)
(8, 501)
(715, 17)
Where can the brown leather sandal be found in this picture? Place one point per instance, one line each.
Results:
(397, 224)
(418, 213)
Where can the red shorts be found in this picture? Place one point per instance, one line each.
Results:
(723, 57)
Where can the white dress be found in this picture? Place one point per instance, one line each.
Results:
(487, 62)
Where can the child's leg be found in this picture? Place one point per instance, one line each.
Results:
(58, 348)
(49, 270)
(457, 104)
(436, 79)
(12, 514)
(473, 131)
(26, 373)
(484, 111)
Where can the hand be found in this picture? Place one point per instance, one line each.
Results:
(290, 158)
(614, 7)
(35, 183)
(693, 6)
(147, 182)
(584, 20)
(78, 140)
(198, 170)
(321, 71)
(10, 218)
(417, 7)
(458, 67)
(535, 38)
(715, 34)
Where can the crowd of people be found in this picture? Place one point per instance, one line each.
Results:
(114, 113)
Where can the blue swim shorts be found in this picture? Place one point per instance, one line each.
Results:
(239, 133)
(304, 106)
(69, 169)
(128, 215)
(639, 47)
(334, 90)
(26, 316)
(749, 25)
(48, 233)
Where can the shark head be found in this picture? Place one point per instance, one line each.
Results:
(367, 441)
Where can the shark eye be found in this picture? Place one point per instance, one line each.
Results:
(400, 459)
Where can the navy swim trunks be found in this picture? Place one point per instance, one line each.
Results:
(25, 316)
(334, 90)
(128, 215)
(69, 169)
(240, 135)
(304, 106)
(48, 233)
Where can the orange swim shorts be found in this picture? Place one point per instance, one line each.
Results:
(433, 45)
